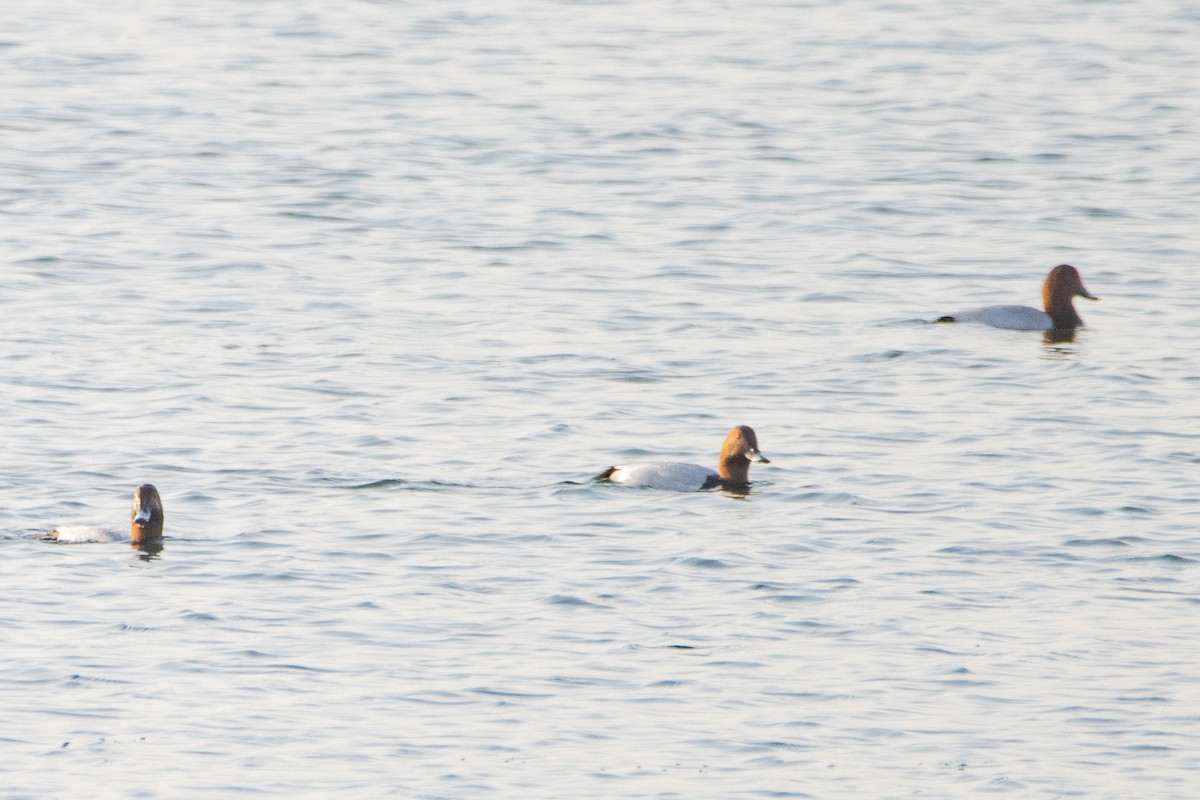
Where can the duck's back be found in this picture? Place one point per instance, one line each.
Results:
(1022, 318)
(75, 534)
(669, 476)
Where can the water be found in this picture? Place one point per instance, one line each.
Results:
(370, 289)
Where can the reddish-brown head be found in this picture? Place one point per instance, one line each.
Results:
(1062, 285)
(740, 448)
(147, 515)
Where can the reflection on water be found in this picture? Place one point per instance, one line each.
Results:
(1058, 336)
(148, 551)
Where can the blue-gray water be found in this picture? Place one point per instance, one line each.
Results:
(370, 289)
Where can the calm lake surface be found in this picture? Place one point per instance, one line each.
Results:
(370, 290)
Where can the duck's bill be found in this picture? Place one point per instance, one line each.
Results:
(759, 457)
(143, 516)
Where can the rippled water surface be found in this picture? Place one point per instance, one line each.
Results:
(370, 290)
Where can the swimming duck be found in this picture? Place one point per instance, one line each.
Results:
(146, 522)
(1062, 285)
(740, 448)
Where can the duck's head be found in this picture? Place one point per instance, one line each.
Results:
(742, 443)
(147, 515)
(1062, 285)
(1064, 281)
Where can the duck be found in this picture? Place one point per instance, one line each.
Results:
(738, 451)
(146, 523)
(1061, 287)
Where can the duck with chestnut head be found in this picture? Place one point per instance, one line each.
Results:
(145, 522)
(1059, 291)
(738, 451)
